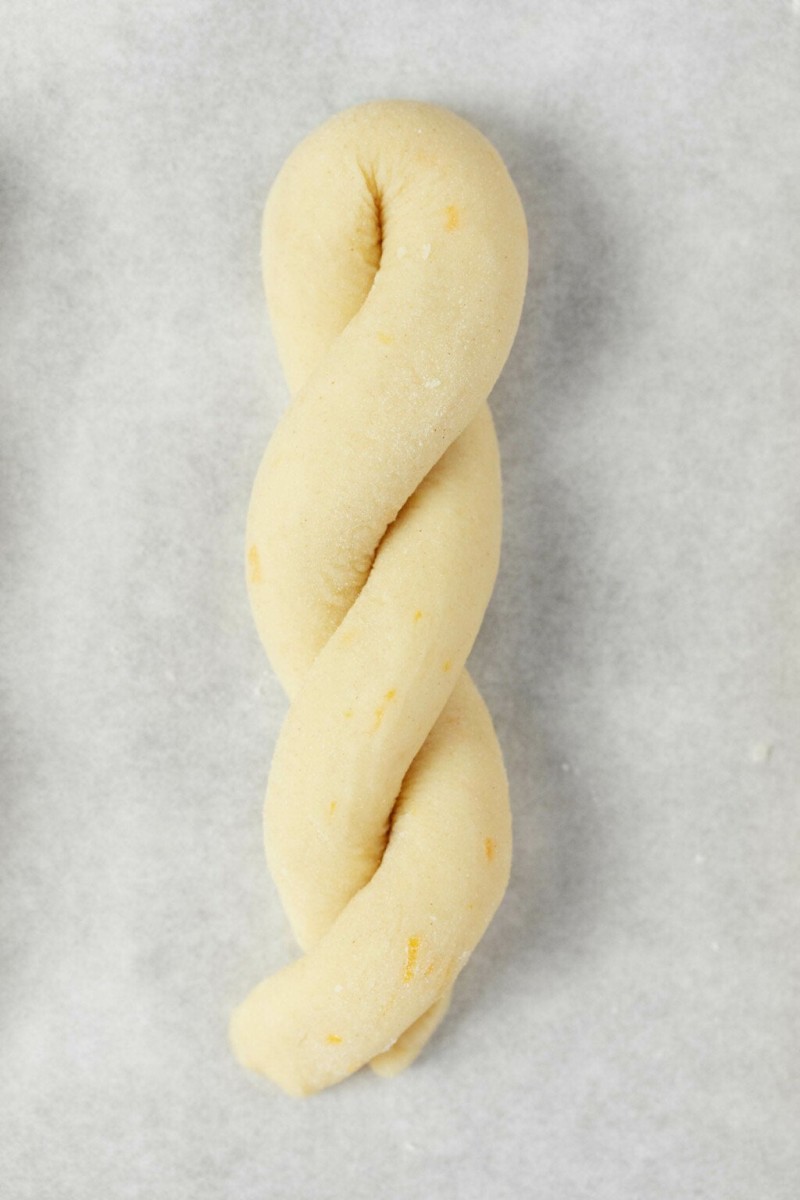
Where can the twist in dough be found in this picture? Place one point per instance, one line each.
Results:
(395, 261)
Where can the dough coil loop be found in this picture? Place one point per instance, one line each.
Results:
(395, 261)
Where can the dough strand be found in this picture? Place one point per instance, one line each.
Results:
(395, 262)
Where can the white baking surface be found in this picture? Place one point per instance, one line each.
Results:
(628, 1028)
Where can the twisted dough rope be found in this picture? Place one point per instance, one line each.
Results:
(395, 261)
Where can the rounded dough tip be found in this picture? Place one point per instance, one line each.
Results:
(243, 1038)
(387, 1067)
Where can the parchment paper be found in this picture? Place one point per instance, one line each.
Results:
(628, 1028)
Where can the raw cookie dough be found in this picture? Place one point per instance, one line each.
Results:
(395, 262)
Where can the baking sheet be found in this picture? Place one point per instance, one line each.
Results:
(627, 1027)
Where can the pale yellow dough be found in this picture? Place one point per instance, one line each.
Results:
(395, 260)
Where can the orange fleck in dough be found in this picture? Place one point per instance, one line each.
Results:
(380, 711)
(418, 615)
(489, 846)
(452, 218)
(412, 952)
(333, 1039)
(385, 339)
(446, 665)
(254, 563)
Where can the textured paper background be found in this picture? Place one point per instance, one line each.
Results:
(628, 1028)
